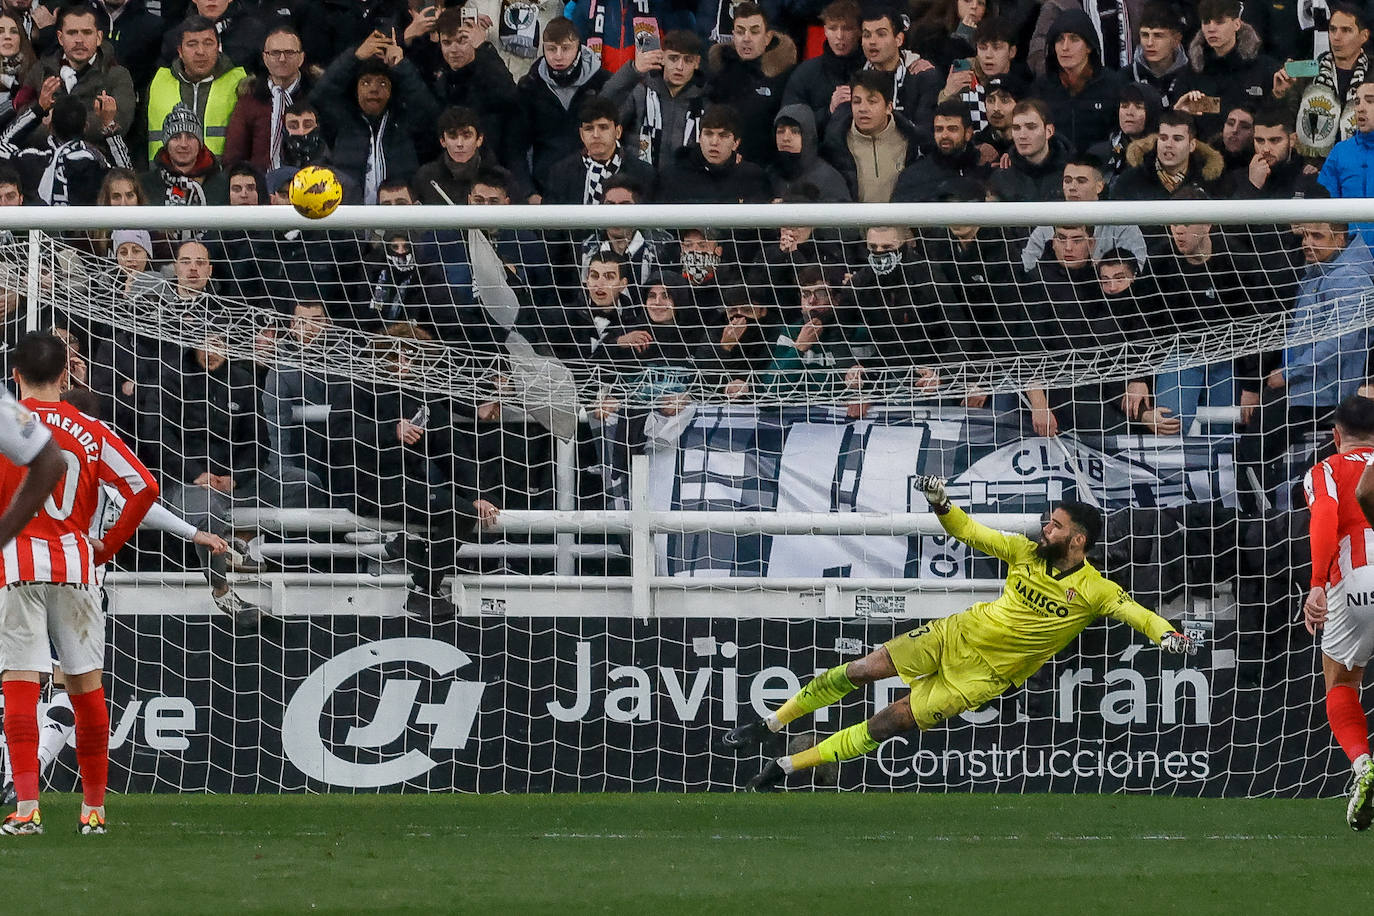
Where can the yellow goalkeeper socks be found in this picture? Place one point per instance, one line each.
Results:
(854, 741)
(824, 690)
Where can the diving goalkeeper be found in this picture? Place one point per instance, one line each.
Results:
(961, 662)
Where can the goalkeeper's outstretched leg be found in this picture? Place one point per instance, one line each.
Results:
(846, 744)
(828, 688)
(946, 678)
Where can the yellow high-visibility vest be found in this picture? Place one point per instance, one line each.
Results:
(165, 92)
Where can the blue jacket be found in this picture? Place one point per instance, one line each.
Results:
(1332, 294)
(1349, 172)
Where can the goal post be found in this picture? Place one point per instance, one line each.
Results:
(641, 519)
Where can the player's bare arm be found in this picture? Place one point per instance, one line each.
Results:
(43, 473)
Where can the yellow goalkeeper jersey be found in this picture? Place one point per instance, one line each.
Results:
(1040, 609)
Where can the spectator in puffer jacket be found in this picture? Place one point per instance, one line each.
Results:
(380, 112)
(822, 83)
(868, 143)
(1080, 91)
(749, 75)
(257, 128)
(552, 93)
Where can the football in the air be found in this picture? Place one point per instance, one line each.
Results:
(315, 192)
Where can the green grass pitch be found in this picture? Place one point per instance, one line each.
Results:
(656, 854)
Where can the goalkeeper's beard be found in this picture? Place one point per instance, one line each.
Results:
(1050, 550)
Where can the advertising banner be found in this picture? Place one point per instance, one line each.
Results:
(496, 704)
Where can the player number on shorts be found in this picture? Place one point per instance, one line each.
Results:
(62, 509)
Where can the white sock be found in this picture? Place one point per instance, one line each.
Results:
(772, 721)
(25, 808)
(56, 730)
(1360, 763)
(87, 809)
(786, 764)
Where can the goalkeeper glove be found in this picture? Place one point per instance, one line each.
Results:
(934, 489)
(1179, 644)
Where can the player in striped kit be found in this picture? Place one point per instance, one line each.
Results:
(1341, 602)
(50, 587)
(56, 723)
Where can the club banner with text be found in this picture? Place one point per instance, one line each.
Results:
(818, 460)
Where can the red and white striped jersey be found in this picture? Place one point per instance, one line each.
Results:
(1340, 534)
(55, 546)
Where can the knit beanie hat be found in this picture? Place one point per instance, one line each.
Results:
(139, 237)
(181, 120)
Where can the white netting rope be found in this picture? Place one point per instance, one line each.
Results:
(81, 285)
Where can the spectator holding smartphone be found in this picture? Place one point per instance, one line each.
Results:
(381, 111)
(1326, 113)
(1224, 63)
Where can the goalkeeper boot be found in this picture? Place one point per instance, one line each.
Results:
(1359, 811)
(768, 779)
(7, 794)
(746, 736)
(29, 825)
(93, 823)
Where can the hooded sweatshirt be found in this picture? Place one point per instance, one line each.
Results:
(791, 172)
(551, 102)
(1087, 115)
(1163, 84)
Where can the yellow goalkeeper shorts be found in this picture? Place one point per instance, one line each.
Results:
(946, 676)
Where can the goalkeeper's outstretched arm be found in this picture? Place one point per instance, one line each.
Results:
(1001, 544)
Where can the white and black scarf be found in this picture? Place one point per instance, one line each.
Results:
(1316, 15)
(651, 130)
(1111, 20)
(11, 79)
(597, 14)
(180, 190)
(374, 172)
(518, 30)
(1323, 117)
(975, 97)
(594, 185)
(281, 100)
(53, 187)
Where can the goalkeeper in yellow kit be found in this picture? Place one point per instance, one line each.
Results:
(963, 661)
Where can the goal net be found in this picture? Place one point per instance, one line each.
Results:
(521, 506)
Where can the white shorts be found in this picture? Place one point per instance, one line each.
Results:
(33, 614)
(1348, 636)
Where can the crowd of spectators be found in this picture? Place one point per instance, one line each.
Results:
(605, 102)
